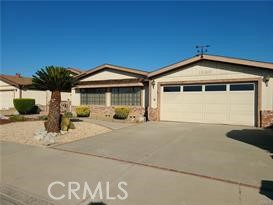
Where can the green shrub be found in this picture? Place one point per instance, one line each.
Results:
(65, 123)
(68, 114)
(16, 118)
(121, 112)
(71, 125)
(35, 109)
(83, 111)
(24, 105)
(43, 117)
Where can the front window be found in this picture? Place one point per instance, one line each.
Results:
(126, 96)
(93, 96)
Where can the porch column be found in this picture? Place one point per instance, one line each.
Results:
(142, 97)
(20, 91)
(108, 97)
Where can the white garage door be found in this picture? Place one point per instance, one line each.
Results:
(6, 99)
(211, 103)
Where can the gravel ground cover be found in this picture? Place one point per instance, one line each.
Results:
(23, 132)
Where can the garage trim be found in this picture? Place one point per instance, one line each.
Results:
(258, 81)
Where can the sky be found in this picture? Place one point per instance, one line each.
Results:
(141, 35)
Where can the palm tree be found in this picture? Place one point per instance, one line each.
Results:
(55, 79)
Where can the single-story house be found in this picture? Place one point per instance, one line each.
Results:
(17, 86)
(205, 89)
(108, 86)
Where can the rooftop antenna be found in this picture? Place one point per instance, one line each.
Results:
(201, 49)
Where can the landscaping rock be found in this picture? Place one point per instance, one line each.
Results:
(63, 132)
(45, 137)
(50, 138)
(141, 119)
(40, 134)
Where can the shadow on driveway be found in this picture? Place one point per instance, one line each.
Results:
(267, 188)
(262, 138)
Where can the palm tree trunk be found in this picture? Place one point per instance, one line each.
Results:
(53, 122)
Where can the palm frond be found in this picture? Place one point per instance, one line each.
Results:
(53, 78)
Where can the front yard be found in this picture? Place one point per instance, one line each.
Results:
(23, 132)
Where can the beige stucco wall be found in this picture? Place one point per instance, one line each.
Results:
(43, 97)
(109, 75)
(7, 94)
(39, 96)
(65, 96)
(216, 71)
(76, 97)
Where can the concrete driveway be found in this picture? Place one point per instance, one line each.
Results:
(235, 153)
(163, 163)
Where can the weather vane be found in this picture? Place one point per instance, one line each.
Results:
(201, 49)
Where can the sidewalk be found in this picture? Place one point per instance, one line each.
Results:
(32, 169)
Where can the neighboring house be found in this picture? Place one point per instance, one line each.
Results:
(75, 71)
(20, 87)
(11, 87)
(206, 89)
(108, 86)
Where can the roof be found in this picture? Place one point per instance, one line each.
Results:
(16, 80)
(114, 67)
(237, 61)
(76, 71)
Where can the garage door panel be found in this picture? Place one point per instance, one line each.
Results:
(194, 98)
(241, 119)
(215, 118)
(191, 108)
(215, 108)
(215, 98)
(243, 98)
(228, 107)
(242, 108)
(192, 117)
(6, 99)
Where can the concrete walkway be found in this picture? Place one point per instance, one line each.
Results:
(114, 125)
(31, 170)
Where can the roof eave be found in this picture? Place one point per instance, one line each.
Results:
(105, 66)
(221, 59)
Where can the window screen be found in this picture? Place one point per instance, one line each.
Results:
(171, 89)
(215, 88)
(126, 96)
(192, 88)
(93, 96)
(241, 87)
